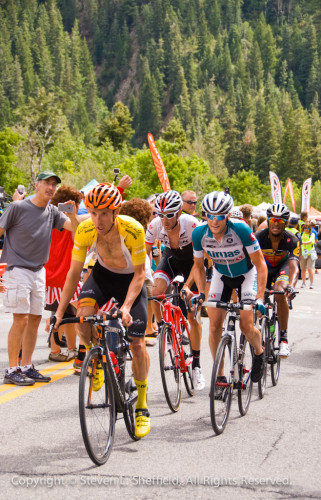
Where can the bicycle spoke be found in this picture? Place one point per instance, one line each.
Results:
(170, 368)
(245, 382)
(96, 409)
(221, 391)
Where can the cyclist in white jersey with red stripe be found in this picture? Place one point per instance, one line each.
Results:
(174, 230)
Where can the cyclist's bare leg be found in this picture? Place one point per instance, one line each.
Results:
(195, 331)
(216, 319)
(159, 287)
(251, 333)
(282, 305)
(140, 364)
(86, 331)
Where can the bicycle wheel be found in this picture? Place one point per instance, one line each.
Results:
(188, 375)
(274, 355)
(130, 397)
(261, 386)
(245, 361)
(97, 410)
(221, 390)
(169, 367)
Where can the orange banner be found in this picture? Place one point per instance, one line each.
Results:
(289, 189)
(159, 165)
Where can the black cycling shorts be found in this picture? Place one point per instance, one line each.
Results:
(279, 273)
(102, 285)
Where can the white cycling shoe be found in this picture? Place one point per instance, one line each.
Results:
(198, 379)
(284, 351)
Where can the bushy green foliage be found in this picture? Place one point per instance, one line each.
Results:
(231, 87)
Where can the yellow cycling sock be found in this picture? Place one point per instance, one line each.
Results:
(142, 394)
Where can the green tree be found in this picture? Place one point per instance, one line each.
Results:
(175, 134)
(10, 175)
(245, 187)
(42, 121)
(117, 127)
(295, 148)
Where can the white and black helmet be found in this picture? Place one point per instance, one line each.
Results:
(278, 210)
(170, 201)
(236, 213)
(217, 202)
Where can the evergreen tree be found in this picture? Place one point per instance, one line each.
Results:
(295, 149)
(117, 127)
(267, 145)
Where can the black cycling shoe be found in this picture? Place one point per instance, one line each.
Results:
(257, 368)
(35, 375)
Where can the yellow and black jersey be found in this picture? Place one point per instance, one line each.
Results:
(130, 231)
(289, 248)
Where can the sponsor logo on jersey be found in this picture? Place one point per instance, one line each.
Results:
(229, 240)
(252, 236)
(296, 251)
(225, 255)
(282, 272)
(212, 296)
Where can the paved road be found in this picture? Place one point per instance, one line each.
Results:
(273, 452)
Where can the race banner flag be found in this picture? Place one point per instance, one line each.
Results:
(289, 189)
(305, 199)
(158, 162)
(275, 188)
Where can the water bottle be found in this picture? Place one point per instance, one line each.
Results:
(112, 330)
(272, 331)
(115, 362)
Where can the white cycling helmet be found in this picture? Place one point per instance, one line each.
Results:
(236, 213)
(170, 201)
(278, 210)
(217, 202)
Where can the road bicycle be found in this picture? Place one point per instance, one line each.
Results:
(232, 368)
(270, 334)
(175, 351)
(98, 409)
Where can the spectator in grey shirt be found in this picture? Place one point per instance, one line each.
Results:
(28, 225)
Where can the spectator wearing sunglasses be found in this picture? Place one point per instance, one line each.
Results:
(189, 199)
(174, 230)
(238, 264)
(281, 250)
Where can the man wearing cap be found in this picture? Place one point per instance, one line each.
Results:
(293, 226)
(28, 225)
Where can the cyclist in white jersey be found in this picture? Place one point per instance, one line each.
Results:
(174, 230)
(238, 263)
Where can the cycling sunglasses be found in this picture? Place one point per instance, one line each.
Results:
(276, 220)
(168, 216)
(191, 202)
(217, 217)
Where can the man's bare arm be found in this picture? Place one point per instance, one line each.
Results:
(258, 260)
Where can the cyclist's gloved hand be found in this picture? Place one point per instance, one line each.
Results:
(291, 291)
(260, 306)
(197, 298)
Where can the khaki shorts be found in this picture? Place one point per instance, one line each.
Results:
(26, 291)
(307, 263)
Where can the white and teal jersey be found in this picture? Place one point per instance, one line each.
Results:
(230, 256)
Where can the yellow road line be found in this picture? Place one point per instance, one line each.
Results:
(16, 391)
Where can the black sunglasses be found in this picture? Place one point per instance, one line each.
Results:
(191, 202)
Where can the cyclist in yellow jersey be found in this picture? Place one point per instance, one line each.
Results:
(119, 242)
